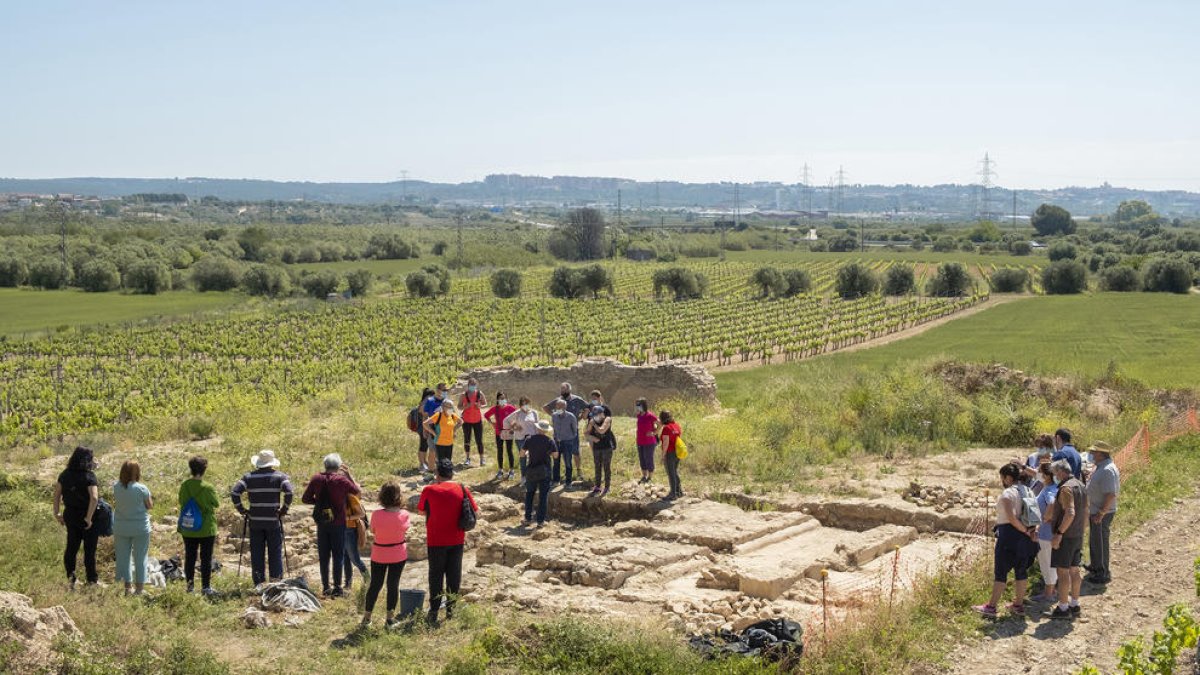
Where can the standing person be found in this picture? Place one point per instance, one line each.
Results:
(327, 492)
(604, 442)
(1014, 545)
(356, 538)
(566, 439)
(1046, 533)
(442, 504)
(270, 494)
(76, 495)
(522, 424)
(539, 450)
(431, 406)
(1065, 451)
(598, 400)
(496, 415)
(575, 404)
(131, 526)
(1102, 490)
(198, 535)
(388, 552)
(1043, 451)
(1067, 523)
(670, 436)
(441, 426)
(427, 397)
(647, 438)
(471, 404)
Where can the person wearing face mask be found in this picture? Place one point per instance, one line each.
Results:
(598, 400)
(575, 404)
(522, 424)
(471, 404)
(430, 407)
(417, 418)
(496, 415)
(647, 438)
(604, 442)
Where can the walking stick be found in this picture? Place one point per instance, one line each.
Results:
(242, 547)
(287, 563)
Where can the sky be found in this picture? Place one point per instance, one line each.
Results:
(1057, 93)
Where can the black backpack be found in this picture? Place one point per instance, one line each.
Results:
(414, 420)
(466, 517)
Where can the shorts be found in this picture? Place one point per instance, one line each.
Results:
(1068, 554)
(1015, 552)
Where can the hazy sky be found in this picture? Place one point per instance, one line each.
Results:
(1060, 93)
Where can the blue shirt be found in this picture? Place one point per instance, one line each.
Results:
(1069, 453)
(1044, 499)
(130, 517)
(432, 405)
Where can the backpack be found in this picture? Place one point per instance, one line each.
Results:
(102, 519)
(190, 518)
(414, 420)
(466, 517)
(322, 513)
(1031, 513)
(681, 451)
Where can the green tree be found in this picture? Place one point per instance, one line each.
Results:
(441, 275)
(390, 246)
(567, 283)
(855, 280)
(1165, 275)
(1134, 214)
(1049, 220)
(597, 279)
(769, 281)
(1064, 277)
(798, 281)
(148, 276)
(268, 280)
(945, 244)
(100, 276)
(1009, 280)
(13, 272)
(899, 280)
(1062, 250)
(1020, 248)
(321, 284)
(582, 237)
(49, 273)
(252, 241)
(951, 280)
(359, 282)
(1120, 279)
(684, 283)
(983, 231)
(506, 283)
(215, 273)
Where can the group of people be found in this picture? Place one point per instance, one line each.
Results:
(263, 497)
(547, 440)
(1050, 499)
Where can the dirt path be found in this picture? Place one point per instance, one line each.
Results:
(992, 301)
(1152, 568)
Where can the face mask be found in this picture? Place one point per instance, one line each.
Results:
(599, 417)
(566, 394)
(503, 401)
(641, 409)
(471, 389)
(441, 394)
(525, 408)
(429, 399)
(595, 401)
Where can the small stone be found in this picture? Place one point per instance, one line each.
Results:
(255, 618)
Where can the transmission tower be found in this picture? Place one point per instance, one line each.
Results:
(841, 190)
(986, 183)
(806, 182)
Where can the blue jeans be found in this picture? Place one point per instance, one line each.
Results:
(131, 549)
(266, 544)
(331, 539)
(353, 558)
(543, 488)
(568, 452)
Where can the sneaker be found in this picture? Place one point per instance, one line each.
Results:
(208, 592)
(522, 482)
(988, 611)
(326, 592)
(527, 522)
(1075, 611)
(1060, 614)
(482, 462)
(595, 492)
(1042, 598)
(190, 587)
(1015, 609)
(391, 624)
(511, 473)
(540, 525)
(468, 462)
(499, 475)
(604, 492)
(338, 592)
(424, 468)
(1095, 580)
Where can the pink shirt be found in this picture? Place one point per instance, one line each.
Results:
(390, 527)
(645, 429)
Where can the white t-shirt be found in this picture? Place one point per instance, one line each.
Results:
(1010, 496)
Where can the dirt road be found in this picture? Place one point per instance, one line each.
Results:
(1152, 568)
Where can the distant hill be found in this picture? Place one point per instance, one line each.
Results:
(507, 189)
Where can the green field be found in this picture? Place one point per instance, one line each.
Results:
(1151, 337)
(27, 311)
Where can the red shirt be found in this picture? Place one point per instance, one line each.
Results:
(645, 428)
(670, 432)
(471, 413)
(340, 488)
(497, 414)
(442, 505)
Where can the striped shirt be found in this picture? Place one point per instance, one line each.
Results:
(263, 487)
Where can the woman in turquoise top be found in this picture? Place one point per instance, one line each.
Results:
(131, 526)
(198, 526)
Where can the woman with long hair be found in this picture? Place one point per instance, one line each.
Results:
(131, 526)
(76, 496)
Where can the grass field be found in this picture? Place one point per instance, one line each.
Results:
(27, 311)
(1151, 337)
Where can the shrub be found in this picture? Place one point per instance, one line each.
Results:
(1020, 248)
(321, 284)
(215, 273)
(899, 280)
(944, 244)
(506, 283)
(266, 280)
(798, 281)
(582, 237)
(843, 243)
(597, 278)
(148, 276)
(359, 282)
(1064, 277)
(1062, 251)
(768, 280)
(13, 272)
(48, 273)
(1168, 276)
(390, 247)
(99, 276)
(684, 284)
(201, 428)
(1050, 220)
(952, 280)
(1120, 279)
(1009, 280)
(566, 283)
(439, 248)
(441, 275)
(855, 281)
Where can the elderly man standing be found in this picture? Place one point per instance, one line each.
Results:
(1102, 490)
(1066, 555)
(270, 493)
(575, 404)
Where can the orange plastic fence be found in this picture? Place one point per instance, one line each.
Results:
(1136, 453)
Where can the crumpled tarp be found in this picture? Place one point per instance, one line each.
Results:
(773, 639)
(172, 568)
(291, 595)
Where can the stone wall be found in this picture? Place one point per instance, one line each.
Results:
(620, 384)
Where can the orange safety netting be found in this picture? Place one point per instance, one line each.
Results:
(1136, 453)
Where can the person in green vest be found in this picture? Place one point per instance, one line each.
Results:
(198, 524)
